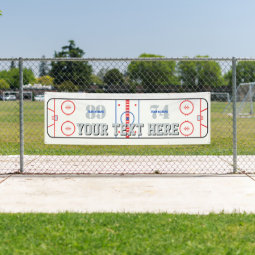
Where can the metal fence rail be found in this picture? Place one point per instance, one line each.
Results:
(22, 147)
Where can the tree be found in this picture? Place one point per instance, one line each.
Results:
(45, 80)
(12, 77)
(209, 75)
(79, 72)
(102, 73)
(96, 80)
(67, 86)
(152, 74)
(188, 72)
(12, 65)
(4, 84)
(245, 72)
(200, 74)
(113, 77)
(43, 67)
(0, 12)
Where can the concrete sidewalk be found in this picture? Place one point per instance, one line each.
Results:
(173, 194)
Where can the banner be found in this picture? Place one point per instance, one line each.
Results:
(127, 119)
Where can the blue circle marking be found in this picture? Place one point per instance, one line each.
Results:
(125, 118)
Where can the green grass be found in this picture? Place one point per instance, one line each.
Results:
(221, 136)
(108, 233)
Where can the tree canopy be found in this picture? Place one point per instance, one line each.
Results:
(45, 80)
(67, 86)
(151, 74)
(101, 73)
(43, 67)
(4, 84)
(79, 73)
(245, 72)
(12, 77)
(96, 80)
(200, 74)
(12, 65)
(113, 77)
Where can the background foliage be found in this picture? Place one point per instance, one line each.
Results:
(137, 76)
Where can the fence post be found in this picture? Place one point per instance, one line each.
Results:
(21, 120)
(234, 115)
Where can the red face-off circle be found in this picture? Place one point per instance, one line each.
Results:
(186, 128)
(186, 107)
(68, 128)
(68, 107)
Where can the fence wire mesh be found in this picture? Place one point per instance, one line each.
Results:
(148, 75)
(9, 117)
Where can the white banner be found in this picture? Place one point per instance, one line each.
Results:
(127, 119)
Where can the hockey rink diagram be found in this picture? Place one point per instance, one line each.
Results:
(148, 119)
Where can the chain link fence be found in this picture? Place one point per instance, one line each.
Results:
(231, 83)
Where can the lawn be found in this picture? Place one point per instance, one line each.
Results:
(221, 136)
(109, 233)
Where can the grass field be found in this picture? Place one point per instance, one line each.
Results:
(108, 233)
(221, 136)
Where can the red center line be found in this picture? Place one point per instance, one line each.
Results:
(200, 118)
(54, 120)
(127, 118)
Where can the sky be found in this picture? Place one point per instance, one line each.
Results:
(118, 28)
